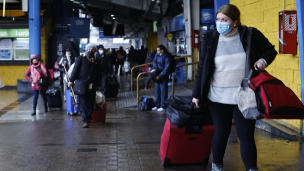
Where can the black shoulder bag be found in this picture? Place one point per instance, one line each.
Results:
(81, 86)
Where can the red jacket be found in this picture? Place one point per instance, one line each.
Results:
(36, 86)
(121, 55)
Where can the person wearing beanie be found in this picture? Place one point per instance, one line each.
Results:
(33, 74)
(87, 66)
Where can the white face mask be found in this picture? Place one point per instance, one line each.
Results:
(101, 51)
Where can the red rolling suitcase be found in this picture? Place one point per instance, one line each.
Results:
(99, 114)
(179, 148)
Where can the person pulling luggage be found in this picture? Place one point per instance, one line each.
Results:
(67, 60)
(33, 74)
(220, 73)
(106, 66)
(161, 65)
(87, 67)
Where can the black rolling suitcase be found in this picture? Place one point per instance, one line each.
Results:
(112, 87)
(54, 99)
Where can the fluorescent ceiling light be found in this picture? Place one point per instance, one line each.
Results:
(112, 15)
(23, 38)
(114, 18)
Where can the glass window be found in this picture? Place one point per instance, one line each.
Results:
(21, 49)
(6, 49)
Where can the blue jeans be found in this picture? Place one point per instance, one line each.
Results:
(36, 95)
(161, 92)
(87, 105)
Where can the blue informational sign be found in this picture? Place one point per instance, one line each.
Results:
(207, 16)
(5, 54)
(177, 23)
(62, 26)
(80, 27)
(102, 36)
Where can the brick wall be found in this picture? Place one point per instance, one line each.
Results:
(263, 14)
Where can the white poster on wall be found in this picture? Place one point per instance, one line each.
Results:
(5, 43)
(21, 44)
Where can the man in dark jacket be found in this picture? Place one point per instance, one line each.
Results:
(121, 56)
(142, 55)
(161, 65)
(87, 66)
(106, 66)
(67, 60)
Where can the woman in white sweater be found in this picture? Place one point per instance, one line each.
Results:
(220, 72)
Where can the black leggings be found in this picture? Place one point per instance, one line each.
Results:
(222, 115)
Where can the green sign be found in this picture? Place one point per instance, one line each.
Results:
(11, 33)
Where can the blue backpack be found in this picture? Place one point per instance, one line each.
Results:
(146, 103)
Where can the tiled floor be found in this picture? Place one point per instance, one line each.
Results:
(129, 140)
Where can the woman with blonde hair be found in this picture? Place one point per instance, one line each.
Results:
(219, 74)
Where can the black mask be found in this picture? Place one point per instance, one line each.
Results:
(91, 54)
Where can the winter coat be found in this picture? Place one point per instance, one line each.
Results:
(82, 70)
(121, 55)
(64, 60)
(162, 63)
(113, 57)
(36, 86)
(141, 57)
(132, 56)
(260, 48)
(106, 63)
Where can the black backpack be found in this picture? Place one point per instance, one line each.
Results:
(173, 62)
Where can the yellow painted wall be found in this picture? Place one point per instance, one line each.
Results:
(10, 74)
(152, 41)
(12, 13)
(263, 14)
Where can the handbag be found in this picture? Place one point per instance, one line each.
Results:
(245, 96)
(81, 86)
(274, 99)
(43, 82)
(56, 66)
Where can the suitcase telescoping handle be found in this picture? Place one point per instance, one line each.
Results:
(67, 75)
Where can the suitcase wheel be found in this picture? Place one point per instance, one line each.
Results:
(205, 161)
(50, 109)
(60, 109)
(104, 122)
(166, 162)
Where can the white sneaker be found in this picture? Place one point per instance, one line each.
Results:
(154, 108)
(160, 109)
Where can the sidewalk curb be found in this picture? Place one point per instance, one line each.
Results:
(277, 129)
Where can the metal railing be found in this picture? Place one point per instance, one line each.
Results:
(186, 59)
(138, 78)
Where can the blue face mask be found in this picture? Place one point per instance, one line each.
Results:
(222, 27)
(68, 55)
(101, 51)
(160, 54)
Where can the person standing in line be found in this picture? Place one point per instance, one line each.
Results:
(33, 74)
(67, 60)
(161, 65)
(220, 72)
(106, 66)
(88, 67)
(121, 56)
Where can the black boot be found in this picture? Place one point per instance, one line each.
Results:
(45, 108)
(34, 111)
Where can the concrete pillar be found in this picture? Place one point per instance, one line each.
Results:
(300, 17)
(34, 28)
(188, 25)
